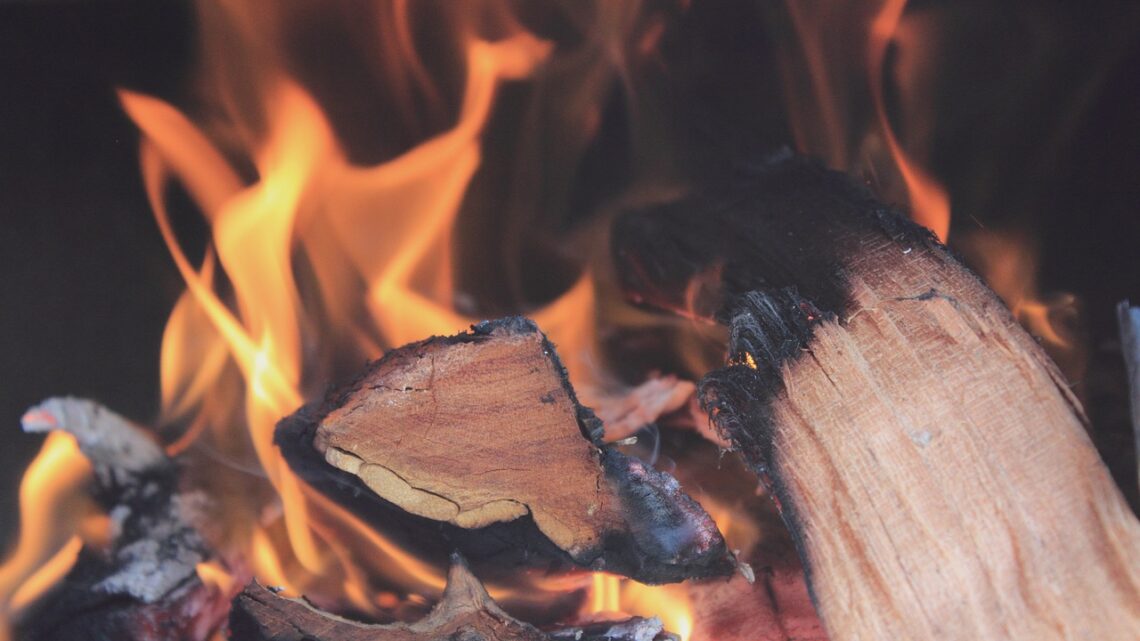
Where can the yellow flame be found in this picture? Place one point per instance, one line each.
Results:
(386, 228)
(310, 255)
(611, 596)
(214, 575)
(823, 109)
(52, 506)
(930, 205)
(605, 593)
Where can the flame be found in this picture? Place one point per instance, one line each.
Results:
(930, 205)
(377, 242)
(214, 575)
(316, 259)
(612, 596)
(52, 505)
(1009, 261)
(605, 593)
(821, 111)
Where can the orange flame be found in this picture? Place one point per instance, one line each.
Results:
(612, 596)
(930, 205)
(313, 259)
(821, 111)
(386, 227)
(52, 504)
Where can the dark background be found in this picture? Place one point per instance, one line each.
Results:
(87, 284)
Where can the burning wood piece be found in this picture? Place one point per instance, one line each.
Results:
(929, 459)
(145, 586)
(466, 612)
(482, 432)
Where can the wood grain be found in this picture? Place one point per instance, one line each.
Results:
(928, 458)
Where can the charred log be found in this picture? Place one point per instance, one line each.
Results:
(929, 459)
(145, 585)
(466, 612)
(481, 437)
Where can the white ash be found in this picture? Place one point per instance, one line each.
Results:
(152, 567)
(118, 449)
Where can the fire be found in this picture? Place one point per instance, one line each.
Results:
(314, 259)
(255, 335)
(613, 596)
(930, 205)
(821, 120)
(52, 505)
(377, 238)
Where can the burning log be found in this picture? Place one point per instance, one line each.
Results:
(145, 586)
(466, 612)
(929, 460)
(481, 433)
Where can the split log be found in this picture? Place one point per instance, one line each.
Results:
(481, 433)
(145, 586)
(466, 612)
(929, 460)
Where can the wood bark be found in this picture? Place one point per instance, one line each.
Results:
(465, 613)
(482, 434)
(145, 586)
(928, 458)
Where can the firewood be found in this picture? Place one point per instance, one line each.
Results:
(466, 612)
(481, 433)
(145, 586)
(930, 461)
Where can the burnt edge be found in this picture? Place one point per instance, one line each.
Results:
(777, 236)
(785, 221)
(655, 554)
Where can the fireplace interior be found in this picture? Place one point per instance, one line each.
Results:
(236, 224)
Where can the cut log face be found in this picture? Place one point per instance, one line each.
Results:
(465, 613)
(483, 428)
(429, 418)
(930, 460)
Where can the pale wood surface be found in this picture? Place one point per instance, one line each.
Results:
(943, 481)
(929, 460)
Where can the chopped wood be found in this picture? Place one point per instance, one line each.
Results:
(145, 585)
(930, 461)
(481, 432)
(465, 612)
